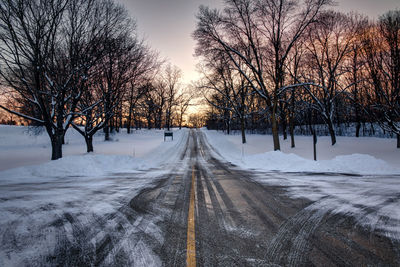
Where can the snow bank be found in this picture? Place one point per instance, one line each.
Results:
(355, 163)
(21, 147)
(86, 165)
(257, 155)
(144, 149)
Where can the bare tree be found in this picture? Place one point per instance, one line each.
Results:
(157, 100)
(183, 103)
(149, 106)
(295, 68)
(196, 120)
(143, 68)
(30, 44)
(171, 76)
(119, 45)
(108, 24)
(329, 43)
(90, 108)
(355, 65)
(229, 90)
(257, 36)
(383, 63)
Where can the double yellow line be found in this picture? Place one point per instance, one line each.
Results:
(191, 238)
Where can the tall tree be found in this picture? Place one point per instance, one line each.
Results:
(171, 76)
(329, 44)
(119, 44)
(29, 50)
(143, 68)
(383, 63)
(183, 103)
(257, 36)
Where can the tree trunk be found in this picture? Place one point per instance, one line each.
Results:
(168, 123)
(363, 128)
(159, 121)
(117, 124)
(291, 130)
(89, 143)
(398, 141)
(128, 125)
(56, 146)
(358, 127)
(275, 134)
(121, 120)
(242, 126)
(332, 132)
(284, 126)
(180, 121)
(111, 125)
(291, 119)
(135, 120)
(148, 121)
(107, 132)
(129, 119)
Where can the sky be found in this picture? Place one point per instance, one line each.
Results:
(167, 25)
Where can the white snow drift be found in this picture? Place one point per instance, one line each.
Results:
(364, 155)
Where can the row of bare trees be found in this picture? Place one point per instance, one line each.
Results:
(81, 64)
(279, 63)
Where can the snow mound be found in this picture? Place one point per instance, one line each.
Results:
(86, 165)
(142, 150)
(279, 161)
(243, 156)
(275, 160)
(358, 163)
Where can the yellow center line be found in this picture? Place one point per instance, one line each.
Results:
(191, 240)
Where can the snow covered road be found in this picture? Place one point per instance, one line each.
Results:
(240, 222)
(139, 217)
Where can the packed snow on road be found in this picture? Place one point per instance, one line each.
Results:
(358, 176)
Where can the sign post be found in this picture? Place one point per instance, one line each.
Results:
(315, 144)
(170, 134)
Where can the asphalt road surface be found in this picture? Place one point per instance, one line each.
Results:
(239, 222)
(206, 212)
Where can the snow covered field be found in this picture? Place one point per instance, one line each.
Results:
(20, 147)
(77, 192)
(364, 155)
(357, 177)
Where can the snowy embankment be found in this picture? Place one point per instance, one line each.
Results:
(364, 155)
(23, 154)
(364, 185)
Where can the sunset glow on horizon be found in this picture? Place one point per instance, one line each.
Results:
(167, 26)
